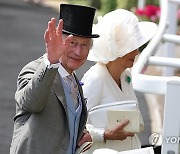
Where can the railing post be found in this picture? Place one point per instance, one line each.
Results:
(171, 123)
(141, 4)
(171, 29)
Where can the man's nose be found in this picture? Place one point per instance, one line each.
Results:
(78, 49)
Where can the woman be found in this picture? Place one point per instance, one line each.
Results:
(109, 80)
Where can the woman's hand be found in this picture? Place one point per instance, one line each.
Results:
(118, 133)
(55, 45)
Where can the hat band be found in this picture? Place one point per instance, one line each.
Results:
(78, 31)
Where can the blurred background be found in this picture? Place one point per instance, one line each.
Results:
(22, 26)
(145, 9)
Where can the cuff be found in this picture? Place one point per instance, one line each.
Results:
(48, 64)
(97, 134)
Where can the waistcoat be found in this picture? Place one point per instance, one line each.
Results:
(73, 119)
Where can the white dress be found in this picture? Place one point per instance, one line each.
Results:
(100, 88)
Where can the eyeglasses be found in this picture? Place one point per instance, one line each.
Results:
(84, 46)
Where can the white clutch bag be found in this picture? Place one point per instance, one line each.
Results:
(110, 115)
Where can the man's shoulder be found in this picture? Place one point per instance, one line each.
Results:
(33, 64)
(36, 61)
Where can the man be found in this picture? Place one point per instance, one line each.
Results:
(49, 118)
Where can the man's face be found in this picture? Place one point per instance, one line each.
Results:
(76, 54)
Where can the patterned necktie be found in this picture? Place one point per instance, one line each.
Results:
(73, 88)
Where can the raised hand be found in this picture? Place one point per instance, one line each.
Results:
(55, 44)
(118, 133)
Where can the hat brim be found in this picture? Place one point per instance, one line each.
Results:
(86, 36)
(147, 31)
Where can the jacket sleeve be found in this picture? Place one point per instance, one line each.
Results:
(92, 89)
(33, 86)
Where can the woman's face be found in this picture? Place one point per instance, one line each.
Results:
(127, 60)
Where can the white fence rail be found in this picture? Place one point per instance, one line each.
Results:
(167, 84)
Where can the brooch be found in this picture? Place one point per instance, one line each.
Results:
(81, 83)
(128, 79)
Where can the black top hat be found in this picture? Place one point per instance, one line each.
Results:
(78, 20)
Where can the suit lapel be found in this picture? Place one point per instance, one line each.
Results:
(59, 90)
(83, 117)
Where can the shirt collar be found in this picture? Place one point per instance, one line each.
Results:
(62, 71)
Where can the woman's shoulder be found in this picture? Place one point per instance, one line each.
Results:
(96, 70)
(94, 74)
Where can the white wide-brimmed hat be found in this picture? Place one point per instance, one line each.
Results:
(120, 33)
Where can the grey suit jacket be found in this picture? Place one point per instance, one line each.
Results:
(41, 121)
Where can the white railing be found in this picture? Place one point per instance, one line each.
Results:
(166, 85)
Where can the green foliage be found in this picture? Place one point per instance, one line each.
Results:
(127, 4)
(79, 2)
(154, 2)
(96, 4)
(109, 5)
(105, 6)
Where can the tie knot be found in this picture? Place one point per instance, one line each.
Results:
(72, 84)
(71, 80)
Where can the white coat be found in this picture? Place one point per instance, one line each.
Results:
(100, 88)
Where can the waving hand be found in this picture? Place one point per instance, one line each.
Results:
(55, 45)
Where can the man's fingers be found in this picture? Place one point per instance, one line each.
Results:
(46, 36)
(53, 22)
(85, 138)
(80, 143)
(52, 27)
(59, 30)
(82, 140)
(60, 27)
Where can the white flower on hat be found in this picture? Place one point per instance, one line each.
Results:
(120, 33)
